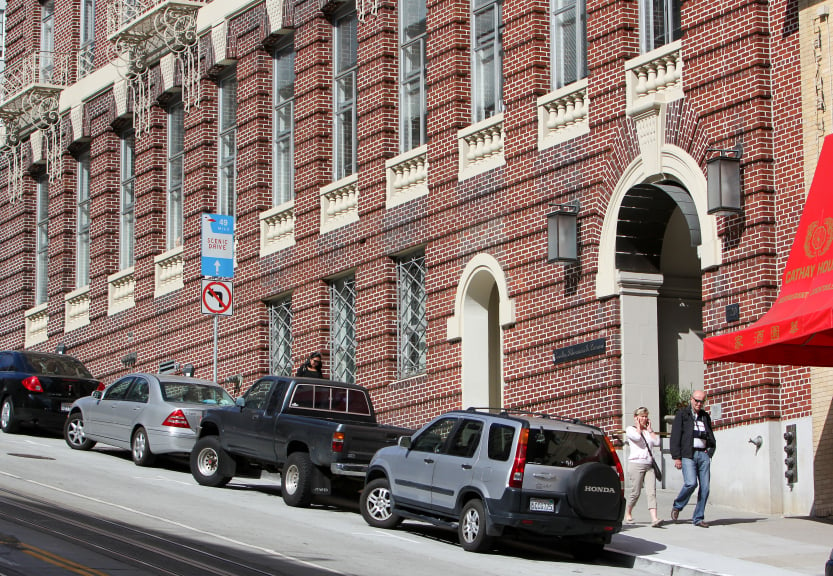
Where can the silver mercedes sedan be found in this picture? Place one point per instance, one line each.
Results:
(148, 414)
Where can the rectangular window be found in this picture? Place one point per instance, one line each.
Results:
(659, 23)
(82, 238)
(344, 90)
(487, 54)
(87, 43)
(569, 41)
(343, 329)
(227, 145)
(128, 190)
(283, 163)
(412, 107)
(412, 319)
(176, 174)
(280, 337)
(47, 41)
(42, 241)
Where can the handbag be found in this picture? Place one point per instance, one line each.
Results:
(654, 465)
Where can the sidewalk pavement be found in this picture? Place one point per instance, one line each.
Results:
(738, 543)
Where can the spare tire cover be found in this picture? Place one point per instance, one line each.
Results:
(596, 492)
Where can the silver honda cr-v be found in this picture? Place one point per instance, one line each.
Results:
(495, 474)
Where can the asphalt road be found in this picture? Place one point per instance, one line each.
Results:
(95, 513)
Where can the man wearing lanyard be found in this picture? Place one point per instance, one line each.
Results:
(692, 448)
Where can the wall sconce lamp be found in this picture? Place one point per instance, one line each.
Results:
(562, 239)
(61, 348)
(188, 370)
(129, 360)
(723, 174)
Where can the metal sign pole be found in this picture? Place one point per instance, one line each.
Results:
(216, 320)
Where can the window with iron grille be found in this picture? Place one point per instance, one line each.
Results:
(568, 29)
(82, 239)
(343, 329)
(283, 164)
(42, 247)
(659, 23)
(487, 55)
(86, 52)
(176, 160)
(344, 90)
(412, 108)
(128, 191)
(280, 337)
(227, 144)
(412, 320)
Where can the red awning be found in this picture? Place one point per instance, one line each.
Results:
(798, 329)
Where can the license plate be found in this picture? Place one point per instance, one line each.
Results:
(541, 505)
(65, 406)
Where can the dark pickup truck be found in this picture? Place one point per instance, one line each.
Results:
(319, 434)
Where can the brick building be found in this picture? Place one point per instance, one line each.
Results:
(390, 167)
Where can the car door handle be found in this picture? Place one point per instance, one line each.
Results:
(543, 476)
(428, 461)
(465, 466)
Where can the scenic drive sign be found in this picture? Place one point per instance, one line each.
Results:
(217, 255)
(216, 297)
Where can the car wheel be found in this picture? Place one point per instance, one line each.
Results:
(142, 456)
(74, 434)
(296, 480)
(472, 527)
(8, 422)
(207, 460)
(375, 504)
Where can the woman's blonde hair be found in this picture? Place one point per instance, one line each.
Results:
(639, 411)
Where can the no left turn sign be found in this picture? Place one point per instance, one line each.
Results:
(216, 297)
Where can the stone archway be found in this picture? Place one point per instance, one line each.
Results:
(482, 309)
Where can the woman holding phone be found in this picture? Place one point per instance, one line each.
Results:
(642, 438)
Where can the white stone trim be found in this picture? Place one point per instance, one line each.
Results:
(37, 322)
(169, 272)
(676, 164)
(77, 308)
(563, 115)
(277, 228)
(481, 147)
(406, 177)
(340, 203)
(121, 289)
(480, 263)
(656, 76)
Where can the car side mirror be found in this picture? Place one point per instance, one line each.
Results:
(240, 402)
(405, 442)
(96, 394)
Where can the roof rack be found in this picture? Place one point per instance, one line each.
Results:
(521, 411)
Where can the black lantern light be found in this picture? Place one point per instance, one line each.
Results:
(723, 173)
(562, 238)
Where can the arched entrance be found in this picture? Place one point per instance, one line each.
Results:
(482, 308)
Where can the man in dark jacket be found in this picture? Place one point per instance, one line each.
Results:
(312, 367)
(692, 448)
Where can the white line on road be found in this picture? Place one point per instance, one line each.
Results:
(177, 524)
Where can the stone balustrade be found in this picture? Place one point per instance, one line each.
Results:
(169, 271)
(340, 204)
(481, 147)
(77, 308)
(563, 115)
(121, 288)
(277, 228)
(407, 176)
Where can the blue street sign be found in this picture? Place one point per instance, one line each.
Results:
(217, 255)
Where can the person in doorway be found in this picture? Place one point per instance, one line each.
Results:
(692, 447)
(641, 439)
(312, 368)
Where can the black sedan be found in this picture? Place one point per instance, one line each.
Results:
(38, 388)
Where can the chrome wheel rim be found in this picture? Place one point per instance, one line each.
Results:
(291, 481)
(471, 525)
(6, 414)
(207, 462)
(378, 504)
(75, 431)
(140, 443)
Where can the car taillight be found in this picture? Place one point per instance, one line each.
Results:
(338, 441)
(516, 478)
(616, 462)
(176, 419)
(32, 384)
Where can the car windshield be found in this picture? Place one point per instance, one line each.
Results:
(565, 448)
(194, 393)
(52, 365)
